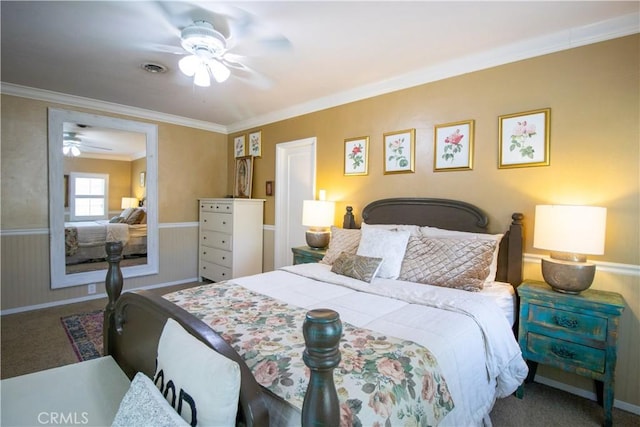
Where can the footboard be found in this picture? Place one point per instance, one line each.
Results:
(133, 323)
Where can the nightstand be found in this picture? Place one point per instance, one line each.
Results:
(306, 254)
(576, 333)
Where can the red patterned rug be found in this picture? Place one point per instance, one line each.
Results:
(85, 333)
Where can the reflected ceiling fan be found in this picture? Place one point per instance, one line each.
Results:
(211, 37)
(72, 144)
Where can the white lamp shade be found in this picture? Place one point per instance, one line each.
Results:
(318, 213)
(572, 229)
(129, 202)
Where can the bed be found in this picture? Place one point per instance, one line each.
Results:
(318, 345)
(85, 240)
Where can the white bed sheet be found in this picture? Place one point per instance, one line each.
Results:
(470, 374)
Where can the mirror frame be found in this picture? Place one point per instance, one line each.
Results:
(59, 276)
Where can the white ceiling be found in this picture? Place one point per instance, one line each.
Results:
(306, 55)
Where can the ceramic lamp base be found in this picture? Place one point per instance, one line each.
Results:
(318, 239)
(568, 277)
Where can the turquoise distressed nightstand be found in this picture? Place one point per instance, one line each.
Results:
(576, 333)
(306, 254)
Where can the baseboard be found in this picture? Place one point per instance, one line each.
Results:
(634, 409)
(89, 297)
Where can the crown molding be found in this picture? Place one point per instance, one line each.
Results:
(108, 107)
(563, 40)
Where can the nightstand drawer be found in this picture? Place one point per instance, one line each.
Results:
(560, 353)
(216, 256)
(216, 240)
(590, 327)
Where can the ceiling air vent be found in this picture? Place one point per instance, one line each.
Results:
(154, 68)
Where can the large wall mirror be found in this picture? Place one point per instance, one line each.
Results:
(103, 176)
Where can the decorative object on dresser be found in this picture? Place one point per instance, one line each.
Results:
(307, 254)
(243, 178)
(570, 233)
(576, 333)
(318, 215)
(230, 238)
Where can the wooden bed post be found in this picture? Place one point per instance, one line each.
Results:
(113, 284)
(514, 259)
(322, 331)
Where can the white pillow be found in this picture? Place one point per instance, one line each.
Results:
(125, 213)
(413, 229)
(386, 244)
(196, 380)
(441, 232)
(143, 405)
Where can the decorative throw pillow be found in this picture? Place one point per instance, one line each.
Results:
(386, 244)
(125, 213)
(356, 266)
(202, 385)
(441, 232)
(342, 240)
(143, 405)
(135, 217)
(116, 220)
(413, 229)
(448, 262)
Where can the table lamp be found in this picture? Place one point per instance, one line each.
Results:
(129, 202)
(318, 215)
(570, 233)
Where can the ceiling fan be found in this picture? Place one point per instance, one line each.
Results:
(71, 144)
(218, 40)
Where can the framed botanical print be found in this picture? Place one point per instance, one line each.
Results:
(239, 146)
(255, 144)
(524, 139)
(453, 146)
(399, 151)
(356, 156)
(243, 177)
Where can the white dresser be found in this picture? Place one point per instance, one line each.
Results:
(230, 238)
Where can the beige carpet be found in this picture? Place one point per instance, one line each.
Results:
(35, 340)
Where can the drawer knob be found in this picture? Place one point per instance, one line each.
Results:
(224, 222)
(224, 257)
(224, 241)
(204, 252)
(205, 220)
(566, 321)
(562, 351)
(204, 237)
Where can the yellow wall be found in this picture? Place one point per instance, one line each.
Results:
(192, 163)
(594, 96)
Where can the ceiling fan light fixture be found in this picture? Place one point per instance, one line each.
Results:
(188, 65)
(218, 70)
(201, 34)
(201, 77)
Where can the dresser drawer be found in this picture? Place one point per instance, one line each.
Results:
(226, 207)
(214, 272)
(579, 325)
(216, 239)
(561, 353)
(216, 256)
(215, 221)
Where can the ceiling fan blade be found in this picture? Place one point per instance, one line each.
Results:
(95, 147)
(181, 14)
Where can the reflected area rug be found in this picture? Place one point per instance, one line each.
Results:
(85, 334)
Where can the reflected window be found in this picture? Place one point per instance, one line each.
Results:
(89, 195)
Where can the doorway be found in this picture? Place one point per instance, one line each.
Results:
(296, 178)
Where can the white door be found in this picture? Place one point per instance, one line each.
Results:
(295, 182)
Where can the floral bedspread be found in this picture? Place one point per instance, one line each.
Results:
(381, 380)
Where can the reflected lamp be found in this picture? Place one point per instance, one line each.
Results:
(129, 202)
(318, 215)
(570, 233)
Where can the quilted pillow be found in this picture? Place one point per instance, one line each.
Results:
(356, 266)
(386, 244)
(144, 405)
(135, 217)
(448, 262)
(441, 232)
(342, 240)
(200, 383)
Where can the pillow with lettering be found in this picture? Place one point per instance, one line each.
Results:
(202, 385)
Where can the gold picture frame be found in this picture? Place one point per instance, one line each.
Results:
(524, 139)
(255, 144)
(243, 177)
(356, 156)
(399, 151)
(453, 146)
(239, 146)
